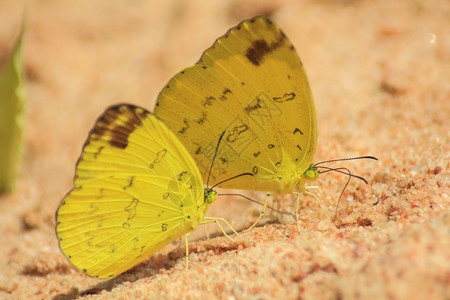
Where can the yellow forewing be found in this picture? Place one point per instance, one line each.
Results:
(251, 84)
(136, 190)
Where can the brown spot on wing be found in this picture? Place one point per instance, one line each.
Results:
(257, 51)
(260, 48)
(202, 119)
(226, 91)
(297, 130)
(117, 123)
(208, 101)
(249, 108)
(131, 208)
(181, 176)
(255, 170)
(236, 132)
(159, 156)
(198, 150)
(185, 127)
(284, 98)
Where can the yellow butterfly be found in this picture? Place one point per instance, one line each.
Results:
(136, 190)
(252, 84)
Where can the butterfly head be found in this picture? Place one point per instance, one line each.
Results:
(210, 195)
(311, 173)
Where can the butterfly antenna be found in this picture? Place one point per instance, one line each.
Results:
(349, 158)
(231, 178)
(344, 171)
(212, 163)
(251, 200)
(342, 192)
(339, 170)
(214, 158)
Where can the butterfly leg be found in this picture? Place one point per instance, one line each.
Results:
(317, 198)
(187, 249)
(206, 232)
(216, 220)
(296, 210)
(261, 213)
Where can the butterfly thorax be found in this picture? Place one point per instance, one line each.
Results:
(290, 176)
(194, 214)
(310, 174)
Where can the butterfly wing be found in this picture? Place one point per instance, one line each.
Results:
(251, 84)
(136, 190)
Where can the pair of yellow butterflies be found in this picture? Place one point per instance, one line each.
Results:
(139, 180)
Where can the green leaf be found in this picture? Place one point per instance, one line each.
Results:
(11, 116)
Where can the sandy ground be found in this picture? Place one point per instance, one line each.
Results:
(379, 71)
